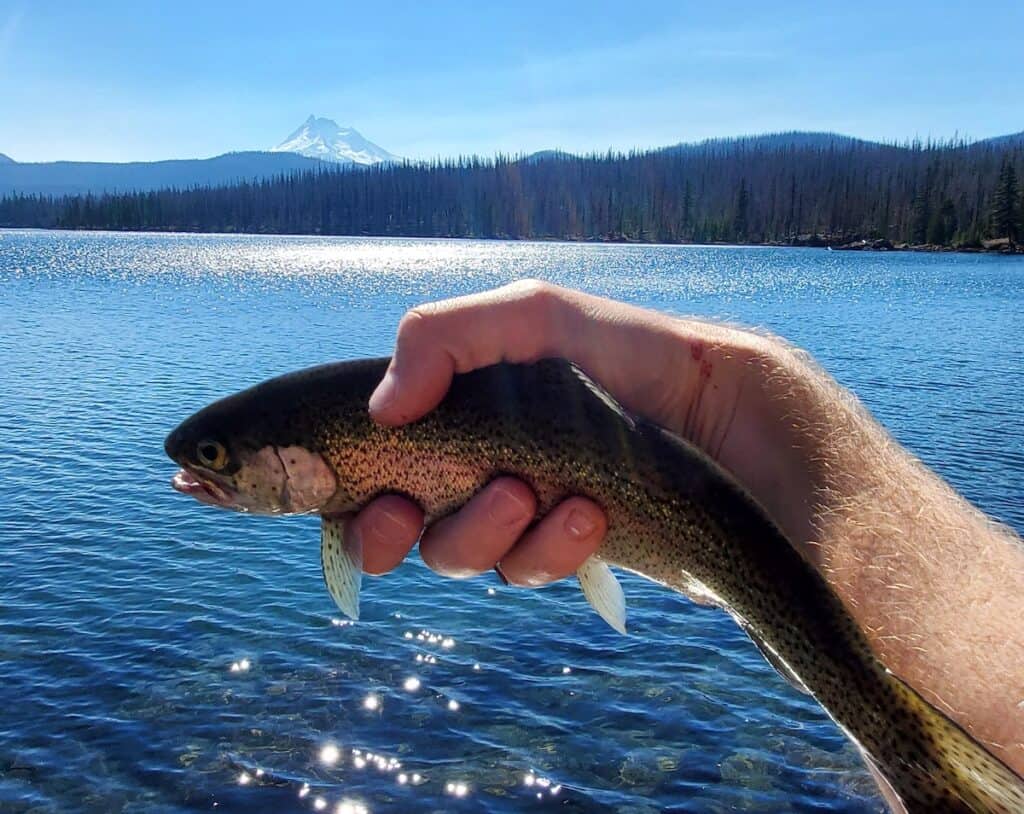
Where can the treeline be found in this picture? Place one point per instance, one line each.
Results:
(773, 189)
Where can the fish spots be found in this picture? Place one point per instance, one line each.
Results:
(669, 515)
(260, 482)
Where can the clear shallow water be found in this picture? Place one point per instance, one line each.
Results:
(125, 605)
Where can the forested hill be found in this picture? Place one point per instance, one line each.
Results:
(785, 188)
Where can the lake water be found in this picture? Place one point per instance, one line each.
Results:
(124, 606)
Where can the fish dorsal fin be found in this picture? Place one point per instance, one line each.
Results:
(603, 592)
(342, 563)
(604, 395)
(774, 659)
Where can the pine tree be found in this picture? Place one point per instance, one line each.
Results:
(687, 210)
(943, 224)
(952, 195)
(1006, 214)
(739, 222)
(792, 227)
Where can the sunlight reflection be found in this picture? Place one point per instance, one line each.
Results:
(371, 702)
(457, 789)
(532, 781)
(329, 754)
(386, 257)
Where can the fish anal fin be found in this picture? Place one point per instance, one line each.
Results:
(342, 563)
(603, 592)
(698, 593)
(775, 660)
(889, 794)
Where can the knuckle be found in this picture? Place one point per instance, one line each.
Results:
(414, 321)
(533, 290)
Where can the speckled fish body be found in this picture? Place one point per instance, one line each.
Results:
(305, 443)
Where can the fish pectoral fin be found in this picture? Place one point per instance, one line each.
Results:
(342, 563)
(774, 659)
(603, 592)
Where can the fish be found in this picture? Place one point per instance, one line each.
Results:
(304, 443)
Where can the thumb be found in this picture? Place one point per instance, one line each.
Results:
(417, 378)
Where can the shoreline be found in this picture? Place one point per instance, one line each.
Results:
(992, 247)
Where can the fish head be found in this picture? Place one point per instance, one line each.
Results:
(237, 457)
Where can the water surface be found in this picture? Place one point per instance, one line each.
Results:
(160, 656)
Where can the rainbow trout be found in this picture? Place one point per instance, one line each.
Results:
(304, 443)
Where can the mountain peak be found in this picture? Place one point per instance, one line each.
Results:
(326, 140)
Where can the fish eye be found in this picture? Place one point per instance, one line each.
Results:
(211, 454)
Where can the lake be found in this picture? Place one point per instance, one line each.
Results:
(156, 655)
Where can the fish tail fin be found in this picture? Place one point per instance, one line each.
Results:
(967, 777)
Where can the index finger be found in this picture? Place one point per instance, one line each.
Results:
(522, 322)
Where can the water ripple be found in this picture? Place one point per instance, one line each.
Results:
(158, 656)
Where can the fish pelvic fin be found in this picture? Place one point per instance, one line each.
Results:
(603, 592)
(342, 562)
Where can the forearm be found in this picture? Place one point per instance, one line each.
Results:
(937, 586)
(938, 589)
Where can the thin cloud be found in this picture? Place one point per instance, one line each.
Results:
(678, 48)
(8, 29)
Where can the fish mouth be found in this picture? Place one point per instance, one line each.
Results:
(189, 482)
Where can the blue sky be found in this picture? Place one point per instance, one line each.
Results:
(115, 81)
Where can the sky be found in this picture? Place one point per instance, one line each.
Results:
(112, 80)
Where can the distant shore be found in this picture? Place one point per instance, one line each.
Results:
(1002, 246)
(998, 246)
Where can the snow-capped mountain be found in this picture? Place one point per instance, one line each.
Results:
(326, 140)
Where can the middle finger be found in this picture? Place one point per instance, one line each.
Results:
(476, 537)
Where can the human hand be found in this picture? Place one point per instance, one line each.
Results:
(708, 383)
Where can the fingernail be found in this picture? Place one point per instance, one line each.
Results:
(505, 507)
(385, 393)
(387, 526)
(579, 524)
